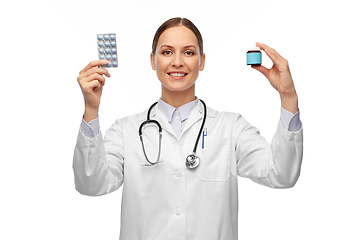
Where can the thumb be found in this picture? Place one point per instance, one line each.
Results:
(261, 69)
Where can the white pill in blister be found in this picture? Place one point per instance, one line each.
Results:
(108, 57)
(100, 37)
(113, 44)
(113, 57)
(107, 50)
(106, 37)
(101, 44)
(114, 64)
(112, 37)
(113, 50)
(101, 51)
(107, 44)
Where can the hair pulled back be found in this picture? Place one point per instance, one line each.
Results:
(174, 22)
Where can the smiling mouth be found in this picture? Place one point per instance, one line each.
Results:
(178, 74)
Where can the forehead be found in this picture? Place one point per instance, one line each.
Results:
(178, 36)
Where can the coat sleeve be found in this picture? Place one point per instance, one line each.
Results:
(98, 163)
(275, 165)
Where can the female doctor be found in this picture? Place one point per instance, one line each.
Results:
(180, 177)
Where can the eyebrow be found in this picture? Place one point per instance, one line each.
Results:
(169, 46)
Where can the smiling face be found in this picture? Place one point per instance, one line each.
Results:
(177, 61)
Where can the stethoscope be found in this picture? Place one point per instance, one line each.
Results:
(192, 161)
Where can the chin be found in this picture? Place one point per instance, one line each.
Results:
(178, 87)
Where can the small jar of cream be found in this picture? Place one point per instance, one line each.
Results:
(253, 56)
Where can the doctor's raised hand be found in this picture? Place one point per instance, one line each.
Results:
(91, 80)
(280, 78)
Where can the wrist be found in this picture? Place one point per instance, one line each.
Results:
(290, 102)
(90, 113)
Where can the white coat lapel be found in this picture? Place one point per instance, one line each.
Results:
(160, 117)
(195, 115)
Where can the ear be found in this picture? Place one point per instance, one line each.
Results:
(202, 62)
(152, 59)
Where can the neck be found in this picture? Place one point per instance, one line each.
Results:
(178, 98)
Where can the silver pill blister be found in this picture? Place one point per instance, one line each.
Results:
(107, 49)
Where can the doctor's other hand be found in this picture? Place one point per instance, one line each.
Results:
(280, 78)
(91, 80)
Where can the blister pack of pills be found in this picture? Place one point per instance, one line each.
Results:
(107, 48)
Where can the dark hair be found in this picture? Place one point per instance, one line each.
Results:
(174, 22)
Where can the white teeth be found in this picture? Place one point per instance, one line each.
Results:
(177, 74)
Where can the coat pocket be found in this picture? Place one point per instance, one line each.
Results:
(214, 160)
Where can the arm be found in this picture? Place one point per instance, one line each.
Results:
(275, 165)
(98, 163)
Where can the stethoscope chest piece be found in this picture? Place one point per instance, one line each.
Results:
(192, 161)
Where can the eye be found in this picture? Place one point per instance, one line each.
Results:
(189, 53)
(166, 53)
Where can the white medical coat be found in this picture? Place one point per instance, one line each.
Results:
(167, 200)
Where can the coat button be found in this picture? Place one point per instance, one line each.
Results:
(178, 211)
(178, 174)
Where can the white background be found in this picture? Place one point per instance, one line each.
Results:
(44, 45)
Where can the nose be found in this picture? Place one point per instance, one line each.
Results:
(177, 61)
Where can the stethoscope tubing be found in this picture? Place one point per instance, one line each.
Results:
(201, 128)
(149, 121)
